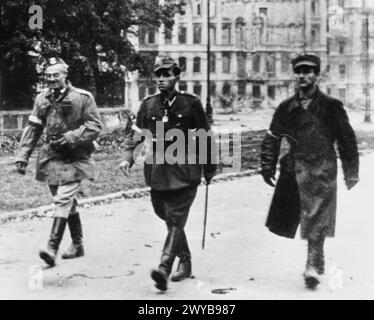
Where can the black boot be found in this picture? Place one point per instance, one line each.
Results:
(161, 275)
(320, 256)
(311, 275)
(184, 269)
(58, 228)
(76, 248)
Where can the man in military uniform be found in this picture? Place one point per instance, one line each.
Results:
(173, 186)
(311, 122)
(71, 122)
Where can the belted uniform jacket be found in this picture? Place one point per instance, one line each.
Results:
(74, 115)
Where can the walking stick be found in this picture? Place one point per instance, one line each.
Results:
(206, 213)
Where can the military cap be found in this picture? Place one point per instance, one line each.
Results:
(306, 59)
(58, 63)
(165, 62)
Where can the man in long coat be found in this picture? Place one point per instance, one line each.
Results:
(71, 122)
(312, 123)
(173, 183)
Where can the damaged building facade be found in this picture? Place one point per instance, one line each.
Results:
(252, 44)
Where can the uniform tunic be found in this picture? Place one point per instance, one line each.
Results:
(74, 115)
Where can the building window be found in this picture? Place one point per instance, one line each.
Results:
(151, 37)
(241, 65)
(182, 62)
(226, 89)
(270, 64)
(198, 8)
(213, 89)
(226, 63)
(197, 33)
(168, 36)
(315, 34)
(213, 8)
(142, 91)
(256, 63)
(341, 47)
(197, 89)
(328, 68)
(226, 34)
(241, 88)
(256, 91)
(271, 92)
(315, 8)
(285, 62)
(152, 89)
(182, 86)
(196, 64)
(182, 34)
(212, 29)
(328, 46)
(212, 62)
(342, 95)
(342, 70)
(263, 12)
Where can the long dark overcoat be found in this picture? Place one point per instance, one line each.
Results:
(306, 189)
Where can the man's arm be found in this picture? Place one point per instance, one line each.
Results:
(30, 137)
(201, 119)
(347, 146)
(270, 147)
(91, 127)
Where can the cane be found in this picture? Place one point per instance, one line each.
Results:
(206, 213)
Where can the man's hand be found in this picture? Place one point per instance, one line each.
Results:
(124, 166)
(21, 167)
(208, 176)
(269, 178)
(60, 145)
(350, 183)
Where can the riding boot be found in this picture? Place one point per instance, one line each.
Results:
(311, 276)
(320, 256)
(184, 269)
(76, 248)
(161, 275)
(58, 228)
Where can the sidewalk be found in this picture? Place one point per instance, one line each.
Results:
(123, 241)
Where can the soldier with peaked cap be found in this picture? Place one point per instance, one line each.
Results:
(173, 186)
(311, 122)
(71, 122)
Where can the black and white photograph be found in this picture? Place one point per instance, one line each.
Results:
(206, 151)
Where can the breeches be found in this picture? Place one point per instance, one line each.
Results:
(173, 206)
(64, 197)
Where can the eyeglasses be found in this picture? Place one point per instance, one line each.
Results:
(165, 74)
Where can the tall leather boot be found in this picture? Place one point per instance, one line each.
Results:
(58, 228)
(76, 248)
(184, 269)
(311, 276)
(320, 256)
(161, 275)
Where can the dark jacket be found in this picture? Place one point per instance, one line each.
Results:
(186, 114)
(306, 188)
(74, 115)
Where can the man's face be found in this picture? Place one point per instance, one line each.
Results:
(166, 80)
(306, 77)
(56, 78)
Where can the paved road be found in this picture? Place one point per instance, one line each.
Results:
(123, 242)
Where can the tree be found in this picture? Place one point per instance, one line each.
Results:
(86, 33)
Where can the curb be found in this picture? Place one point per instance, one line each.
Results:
(47, 211)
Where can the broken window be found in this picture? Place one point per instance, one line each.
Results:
(256, 91)
(182, 34)
(256, 63)
(197, 33)
(226, 62)
(241, 88)
(226, 90)
(226, 34)
(212, 62)
(271, 92)
(196, 64)
(168, 36)
(212, 32)
(182, 62)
